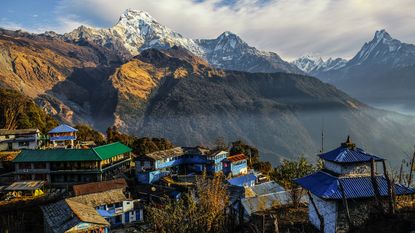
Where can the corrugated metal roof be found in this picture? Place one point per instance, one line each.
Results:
(18, 131)
(63, 128)
(63, 155)
(103, 198)
(236, 158)
(96, 187)
(348, 155)
(163, 154)
(241, 180)
(56, 155)
(327, 186)
(111, 150)
(266, 188)
(265, 202)
(25, 185)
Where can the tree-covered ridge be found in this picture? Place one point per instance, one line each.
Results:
(87, 133)
(18, 111)
(141, 146)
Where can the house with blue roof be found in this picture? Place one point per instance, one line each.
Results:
(151, 167)
(62, 136)
(348, 189)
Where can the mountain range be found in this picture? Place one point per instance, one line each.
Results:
(136, 31)
(312, 64)
(150, 81)
(381, 73)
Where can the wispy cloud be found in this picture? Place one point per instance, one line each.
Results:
(288, 27)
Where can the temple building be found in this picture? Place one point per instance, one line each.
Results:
(348, 188)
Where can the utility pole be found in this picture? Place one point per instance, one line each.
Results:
(411, 169)
(322, 135)
(400, 172)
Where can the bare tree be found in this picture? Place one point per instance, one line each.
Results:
(201, 210)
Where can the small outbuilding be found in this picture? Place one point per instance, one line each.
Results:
(26, 189)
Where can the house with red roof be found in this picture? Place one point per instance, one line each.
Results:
(235, 165)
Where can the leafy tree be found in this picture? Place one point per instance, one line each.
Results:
(146, 145)
(220, 144)
(140, 146)
(86, 133)
(264, 167)
(251, 152)
(288, 171)
(18, 111)
(201, 210)
(113, 135)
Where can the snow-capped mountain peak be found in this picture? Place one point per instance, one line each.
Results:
(136, 31)
(312, 64)
(308, 62)
(382, 35)
(135, 15)
(383, 49)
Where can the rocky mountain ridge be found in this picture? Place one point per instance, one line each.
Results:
(311, 64)
(137, 31)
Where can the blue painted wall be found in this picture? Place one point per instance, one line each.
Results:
(195, 163)
(235, 168)
(151, 176)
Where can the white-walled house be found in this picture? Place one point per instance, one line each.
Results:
(18, 139)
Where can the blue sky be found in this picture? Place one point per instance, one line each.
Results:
(335, 28)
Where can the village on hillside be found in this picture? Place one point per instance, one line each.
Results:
(57, 183)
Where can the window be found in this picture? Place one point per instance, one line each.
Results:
(39, 165)
(25, 166)
(40, 176)
(23, 144)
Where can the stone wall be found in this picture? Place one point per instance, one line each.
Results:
(349, 170)
(359, 210)
(328, 209)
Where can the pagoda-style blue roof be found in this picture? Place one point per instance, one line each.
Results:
(348, 155)
(327, 186)
(63, 129)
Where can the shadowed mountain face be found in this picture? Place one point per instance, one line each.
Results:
(282, 114)
(174, 94)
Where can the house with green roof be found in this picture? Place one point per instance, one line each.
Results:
(73, 166)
